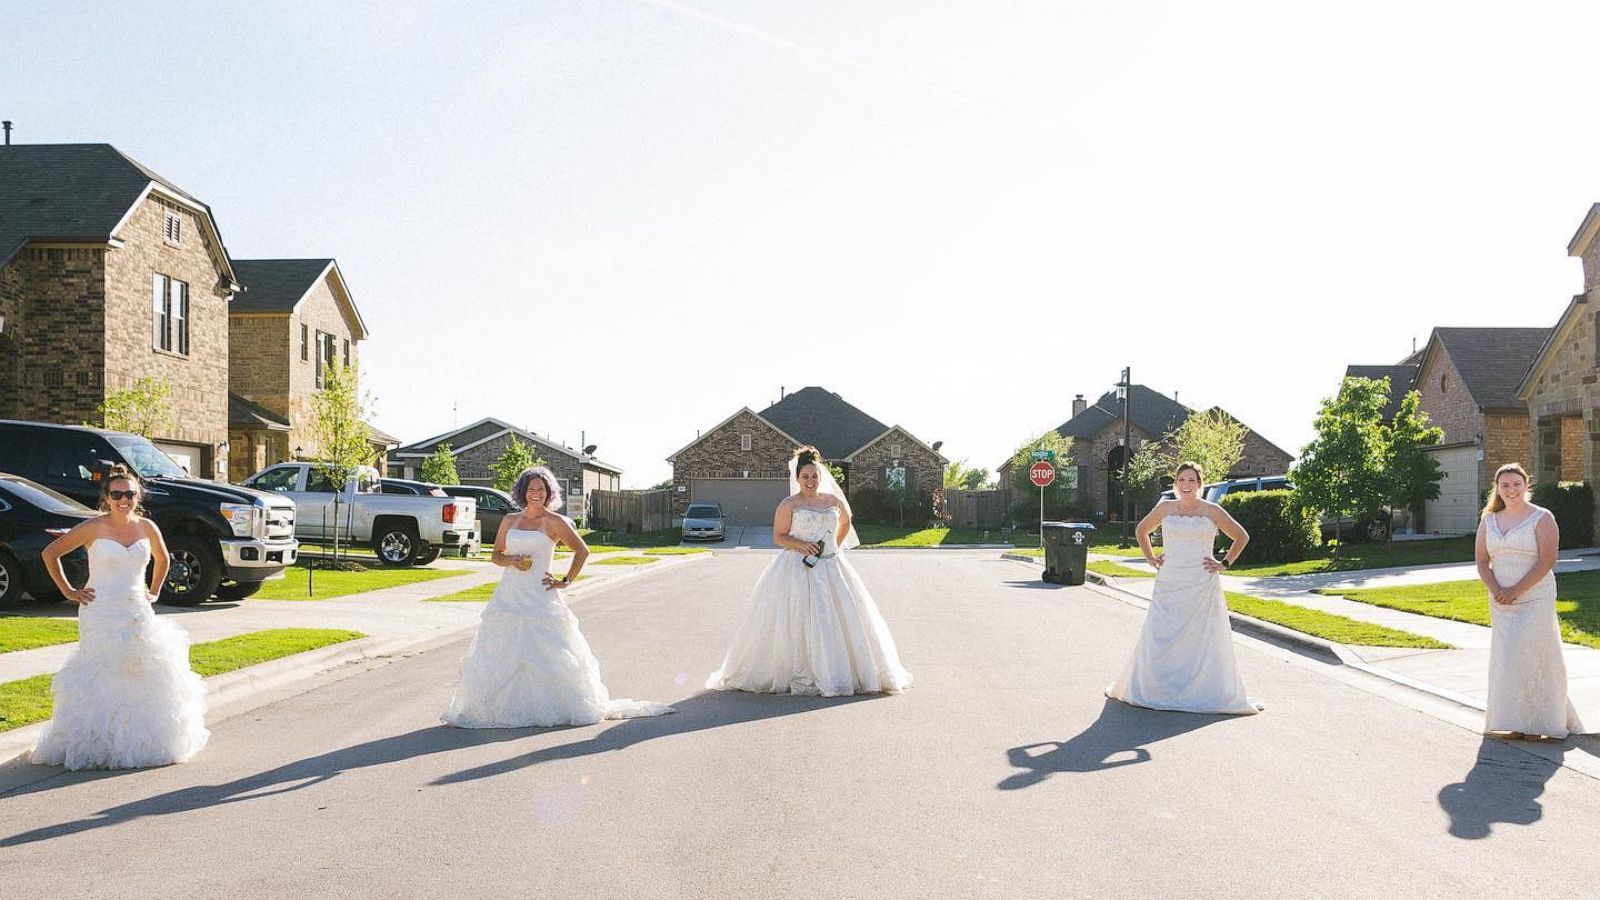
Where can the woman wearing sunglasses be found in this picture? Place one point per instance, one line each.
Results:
(126, 698)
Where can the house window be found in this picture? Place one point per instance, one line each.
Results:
(305, 352)
(744, 442)
(347, 354)
(169, 314)
(894, 450)
(172, 229)
(325, 356)
(1442, 383)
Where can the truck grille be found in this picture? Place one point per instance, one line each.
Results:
(280, 523)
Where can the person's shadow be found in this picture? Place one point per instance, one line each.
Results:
(711, 709)
(1119, 737)
(1503, 786)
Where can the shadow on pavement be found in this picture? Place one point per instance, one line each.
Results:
(1117, 738)
(711, 709)
(1503, 786)
(1035, 585)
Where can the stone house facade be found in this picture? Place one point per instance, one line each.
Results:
(110, 273)
(476, 446)
(742, 463)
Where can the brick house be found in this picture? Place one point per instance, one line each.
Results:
(110, 273)
(294, 318)
(743, 461)
(477, 445)
(1095, 467)
(1560, 387)
(1467, 381)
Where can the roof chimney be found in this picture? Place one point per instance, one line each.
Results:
(1079, 405)
(782, 393)
(7, 125)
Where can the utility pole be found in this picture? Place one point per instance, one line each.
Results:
(1125, 390)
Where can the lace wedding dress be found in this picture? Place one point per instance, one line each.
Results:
(1184, 659)
(529, 664)
(1527, 676)
(812, 630)
(126, 698)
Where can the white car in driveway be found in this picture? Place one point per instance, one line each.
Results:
(402, 529)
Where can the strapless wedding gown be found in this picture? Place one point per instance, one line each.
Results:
(126, 698)
(529, 665)
(1184, 660)
(812, 630)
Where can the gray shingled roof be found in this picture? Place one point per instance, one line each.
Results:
(1400, 377)
(69, 192)
(824, 420)
(1492, 361)
(471, 434)
(1152, 412)
(274, 285)
(247, 414)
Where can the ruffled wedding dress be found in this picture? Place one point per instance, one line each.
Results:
(812, 630)
(126, 698)
(529, 665)
(1527, 675)
(1184, 660)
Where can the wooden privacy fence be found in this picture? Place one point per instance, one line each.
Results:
(975, 509)
(630, 510)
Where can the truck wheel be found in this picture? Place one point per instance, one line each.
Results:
(1377, 530)
(196, 570)
(396, 545)
(429, 555)
(238, 590)
(10, 581)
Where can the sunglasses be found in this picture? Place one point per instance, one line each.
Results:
(123, 495)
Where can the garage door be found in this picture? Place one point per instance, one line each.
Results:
(745, 501)
(186, 456)
(1456, 510)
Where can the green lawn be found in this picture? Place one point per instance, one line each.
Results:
(1111, 569)
(898, 536)
(1339, 629)
(1027, 551)
(27, 700)
(24, 633)
(338, 584)
(616, 540)
(676, 551)
(477, 594)
(1577, 604)
(1351, 557)
(625, 561)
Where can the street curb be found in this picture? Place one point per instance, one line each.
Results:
(261, 678)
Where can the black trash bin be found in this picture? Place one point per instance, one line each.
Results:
(1066, 551)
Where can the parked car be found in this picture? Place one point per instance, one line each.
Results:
(704, 521)
(223, 540)
(493, 507)
(1375, 530)
(31, 516)
(414, 488)
(402, 529)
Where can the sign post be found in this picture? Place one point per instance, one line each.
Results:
(1042, 473)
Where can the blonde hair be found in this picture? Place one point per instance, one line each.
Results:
(1495, 503)
(1199, 474)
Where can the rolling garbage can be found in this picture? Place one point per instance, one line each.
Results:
(1066, 551)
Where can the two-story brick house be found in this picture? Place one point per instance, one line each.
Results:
(110, 273)
(477, 445)
(294, 319)
(742, 462)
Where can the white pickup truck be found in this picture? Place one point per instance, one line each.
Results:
(401, 529)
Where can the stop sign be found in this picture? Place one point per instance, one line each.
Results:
(1042, 473)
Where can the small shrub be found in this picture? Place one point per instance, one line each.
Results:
(1572, 503)
(1279, 530)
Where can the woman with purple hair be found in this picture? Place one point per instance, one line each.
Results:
(529, 664)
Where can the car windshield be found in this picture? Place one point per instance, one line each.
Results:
(148, 461)
(41, 496)
(703, 512)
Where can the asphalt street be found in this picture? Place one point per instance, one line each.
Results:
(1003, 772)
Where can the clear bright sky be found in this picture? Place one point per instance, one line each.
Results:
(631, 218)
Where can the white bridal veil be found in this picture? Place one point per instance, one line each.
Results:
(827, 485)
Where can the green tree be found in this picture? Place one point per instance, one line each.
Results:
(440, 468)
(1061, 497)
(664, 485)
(1341, 472)
(141, 409)
(1212, 439)
(338, 423)
(963, 477)
(1411, 474)
(516, 457)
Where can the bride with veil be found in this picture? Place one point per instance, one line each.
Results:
(812, 627)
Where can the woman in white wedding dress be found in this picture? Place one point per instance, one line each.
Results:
(1184, 659)
(1516, 554)
(529, 665)
(812, 626)
(126, 697)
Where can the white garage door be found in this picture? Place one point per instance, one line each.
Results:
(745, 501)
(187, 457)
(1456, 510)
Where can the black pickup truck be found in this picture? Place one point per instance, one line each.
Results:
(224, 540)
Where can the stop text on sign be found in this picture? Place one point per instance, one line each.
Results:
(1042, 473)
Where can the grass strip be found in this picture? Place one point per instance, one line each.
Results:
(339, 584)
(1113, 570)
(1577, 603)
(625, 561)
(675, 551)
(1328, 626)
(899, 536)
(477, 594)
(27, 633)
(27, 700)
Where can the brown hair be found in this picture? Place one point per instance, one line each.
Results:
(807, 456)
(1495, 503)
(120, 472)
(1191, 466)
